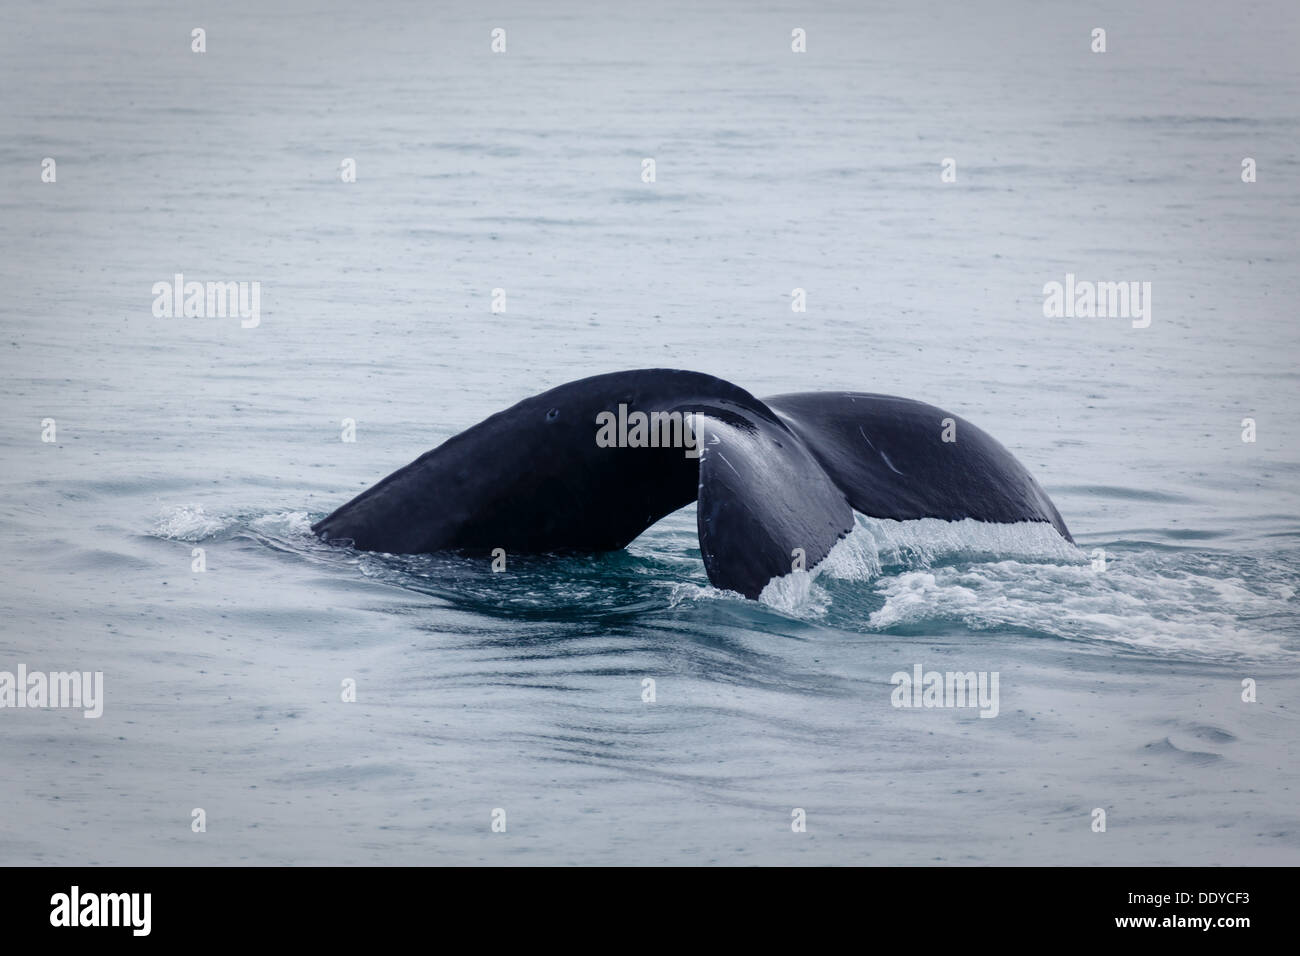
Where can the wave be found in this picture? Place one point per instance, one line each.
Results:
(901, 578)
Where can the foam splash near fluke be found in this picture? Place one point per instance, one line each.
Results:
(902, 578)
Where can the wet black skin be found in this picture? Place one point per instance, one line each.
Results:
(772, 476)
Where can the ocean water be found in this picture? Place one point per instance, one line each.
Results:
(1119, 689)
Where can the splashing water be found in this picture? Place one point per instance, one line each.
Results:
(892, 577)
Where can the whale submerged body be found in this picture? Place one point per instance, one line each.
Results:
(777, 479)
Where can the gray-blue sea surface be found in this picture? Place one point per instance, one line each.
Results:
(525, 691)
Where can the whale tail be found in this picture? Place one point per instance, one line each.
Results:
(776, 480)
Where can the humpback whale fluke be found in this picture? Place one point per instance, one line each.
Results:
(771, 476)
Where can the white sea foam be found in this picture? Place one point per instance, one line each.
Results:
(193, 523)
(877, 543)
(1138, 604)
(288, 523)
(1025, 576)
(686, 592)
(798, 595)
(190, 523)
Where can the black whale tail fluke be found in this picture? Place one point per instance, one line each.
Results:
(777, 480)
(902, 459)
